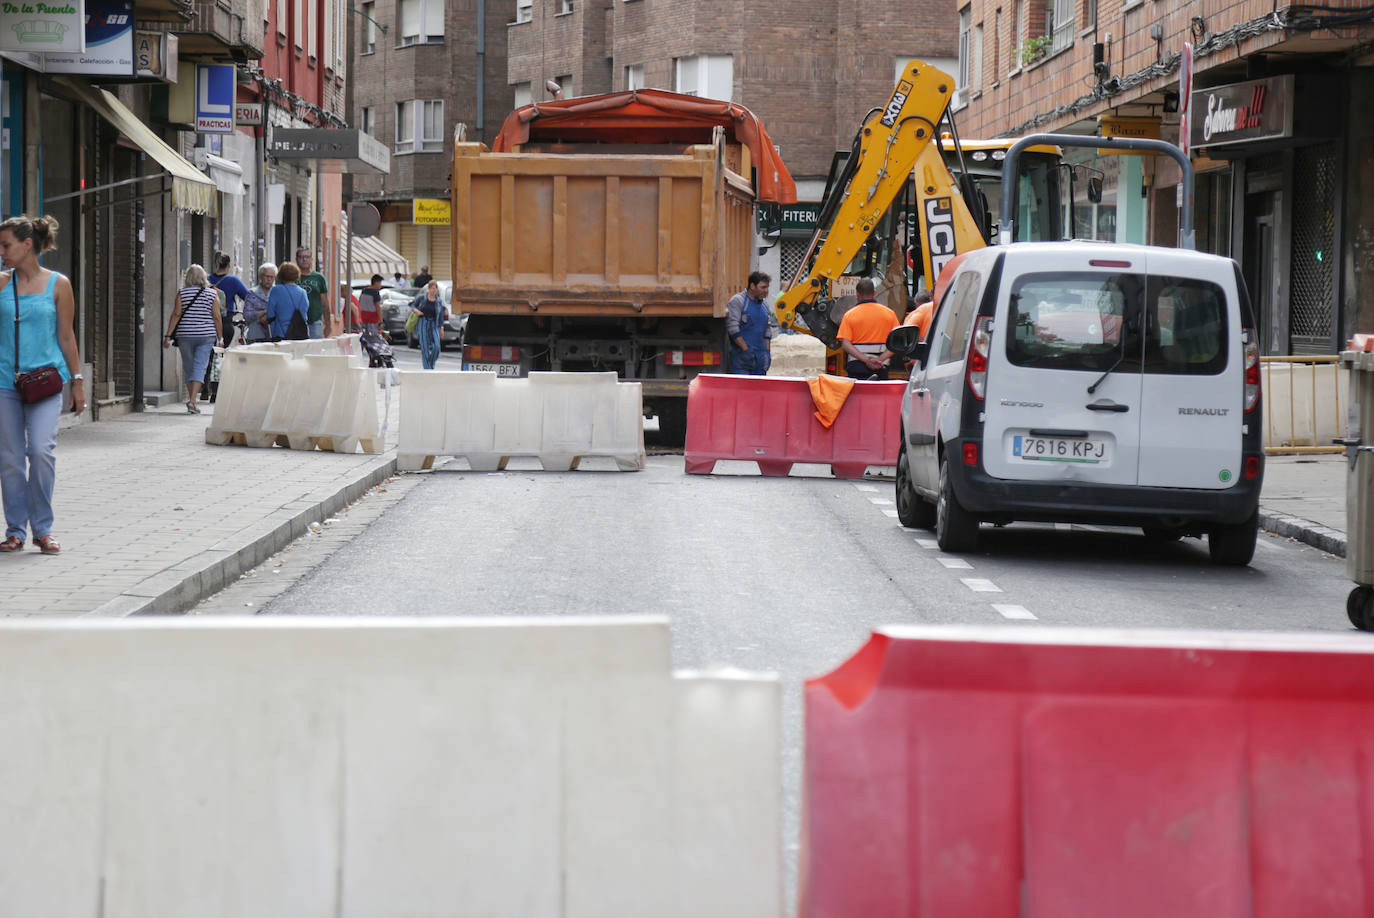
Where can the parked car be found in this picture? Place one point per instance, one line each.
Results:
(1085, 382)
(396, 307)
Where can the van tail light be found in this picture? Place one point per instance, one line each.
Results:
(1252, 368)
(970, 451)
(1252, 467)
(978, 350)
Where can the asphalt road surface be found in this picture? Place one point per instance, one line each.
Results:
(779, 574)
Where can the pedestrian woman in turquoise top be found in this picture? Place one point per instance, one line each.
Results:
(47, 338)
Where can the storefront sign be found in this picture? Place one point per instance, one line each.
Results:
(797, 219)
(1131, 128)
(334, 149)
(215, 89)
(155, 55)
(109, 42)
(33, 25)
(430, 212)
(1241, 112)
(248, 113)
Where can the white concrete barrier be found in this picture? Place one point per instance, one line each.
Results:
(267, 397)
(1304, 403)
(348, 345)
(558, 418)
(363, 768)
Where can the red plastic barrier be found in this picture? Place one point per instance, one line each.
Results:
(1002, 772)
(770, 420)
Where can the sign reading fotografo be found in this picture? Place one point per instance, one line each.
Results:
(430, 211)
(35, 26)
(1241, 112)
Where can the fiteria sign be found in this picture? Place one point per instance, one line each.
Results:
(1241, 112)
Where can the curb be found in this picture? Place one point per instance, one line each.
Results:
(177, 589)
(1331, 541)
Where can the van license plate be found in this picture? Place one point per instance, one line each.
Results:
(500, 369)
(1060, 449)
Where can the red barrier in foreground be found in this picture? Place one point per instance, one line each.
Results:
(770, 420)
(1003, 772)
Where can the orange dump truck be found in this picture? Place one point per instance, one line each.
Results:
(608, 233)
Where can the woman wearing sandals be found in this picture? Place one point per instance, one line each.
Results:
(195, 328)
(46, 338)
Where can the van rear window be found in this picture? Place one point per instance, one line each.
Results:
(1092, 321)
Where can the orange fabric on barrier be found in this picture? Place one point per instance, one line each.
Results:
(829, 394)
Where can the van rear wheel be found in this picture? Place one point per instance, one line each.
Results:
(913, 511)
(955, 528)
(1234, 544)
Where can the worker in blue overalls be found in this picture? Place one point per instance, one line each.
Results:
(751, 325)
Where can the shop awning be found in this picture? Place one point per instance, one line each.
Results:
(191, 190)
(225, 173)
(372, 256)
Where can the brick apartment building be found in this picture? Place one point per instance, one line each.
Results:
(421, 67)
(1284, 158)
(810, 71)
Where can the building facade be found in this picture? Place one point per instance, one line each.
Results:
(152, 153)
(1283, 158)
(810, 71)
(423, 67)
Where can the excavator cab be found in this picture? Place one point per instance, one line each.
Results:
(904, 200)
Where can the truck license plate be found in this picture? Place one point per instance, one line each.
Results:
(1060, 449)
(500, 369)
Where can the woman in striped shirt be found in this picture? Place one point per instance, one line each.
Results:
(195, 327)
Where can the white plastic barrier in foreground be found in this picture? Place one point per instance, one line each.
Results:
(354, 768)
(559, 418)
(266, 397)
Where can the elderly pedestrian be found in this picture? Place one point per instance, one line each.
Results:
(37, 313)
(255, 304)
(430, 306)
(194, 329)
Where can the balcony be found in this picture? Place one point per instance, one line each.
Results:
(216, 28)
(158, 9)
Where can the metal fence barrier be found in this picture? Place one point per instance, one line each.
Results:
(1303, 399)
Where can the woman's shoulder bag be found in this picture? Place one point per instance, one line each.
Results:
(35, 385)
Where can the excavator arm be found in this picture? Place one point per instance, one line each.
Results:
(892, 144)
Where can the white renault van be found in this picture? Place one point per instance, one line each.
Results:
(1086, 382)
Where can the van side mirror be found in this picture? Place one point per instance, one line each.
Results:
(905, 341)
(1095, 189)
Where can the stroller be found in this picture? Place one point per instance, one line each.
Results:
(378, 351)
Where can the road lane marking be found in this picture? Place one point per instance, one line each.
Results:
(979, 585)
(1020, 612)
(955, 563)
(865, 487)
(890, 513)
(929, 544)
(879, 500)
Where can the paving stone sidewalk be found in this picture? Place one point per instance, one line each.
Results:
(151, 519)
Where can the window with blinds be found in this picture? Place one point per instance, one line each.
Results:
(1061, 24)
